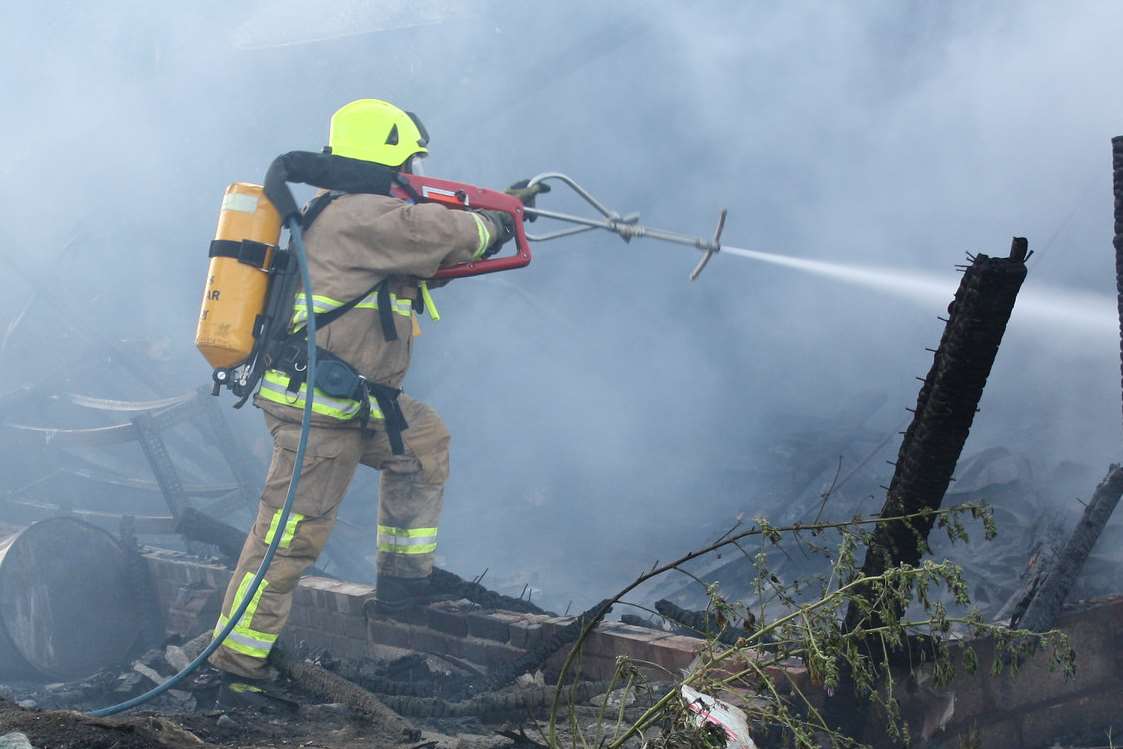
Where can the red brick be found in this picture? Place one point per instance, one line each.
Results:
(386, 632)
(340, 596)
(677, 652)
(525, 630)
(431, 641)
(298, 616)
(488, 652)
(590, 667)
(553, 624)
(1096, 634)
(303, 596)
(488, 627)
(448, 619)
(353, 626)
(162, 569)
(418, 616)
(1001, 731)
(613, 639)
(297, 634)
(219, 577)
(1040, 681)
(355, 649)
(1085, 717)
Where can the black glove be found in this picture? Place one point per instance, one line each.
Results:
(527, 194)
(505, 229)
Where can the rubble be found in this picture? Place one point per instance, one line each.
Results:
(176, 659)
(15, 741)
(472, 666)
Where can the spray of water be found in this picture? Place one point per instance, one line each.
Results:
(1076, 311)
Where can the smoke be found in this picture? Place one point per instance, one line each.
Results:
(605, 412)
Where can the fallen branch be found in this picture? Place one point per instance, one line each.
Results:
(763, 529)
(1049, 591)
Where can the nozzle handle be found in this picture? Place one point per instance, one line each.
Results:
(715, 247)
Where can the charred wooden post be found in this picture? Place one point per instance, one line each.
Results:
(1042, 607)
(945, 408)
(1117, 180)
(334, 688)
(197, 526)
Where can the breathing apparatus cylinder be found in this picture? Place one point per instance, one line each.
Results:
(249, 227)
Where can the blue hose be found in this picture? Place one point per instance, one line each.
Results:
(297, 235)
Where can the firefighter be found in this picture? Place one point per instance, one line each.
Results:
(355, 243)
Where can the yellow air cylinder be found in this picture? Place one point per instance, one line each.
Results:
(236, 291)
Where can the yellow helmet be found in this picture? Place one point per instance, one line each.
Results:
(376, 130)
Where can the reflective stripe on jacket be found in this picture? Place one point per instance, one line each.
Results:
(322, 304)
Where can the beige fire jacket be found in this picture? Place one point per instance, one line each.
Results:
(357, 241)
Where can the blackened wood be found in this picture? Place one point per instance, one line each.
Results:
(1048, 596)
(334, 688)
(945, 408)
(196, 526)
(1117, 180)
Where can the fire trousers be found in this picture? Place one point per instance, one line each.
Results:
(411, 488)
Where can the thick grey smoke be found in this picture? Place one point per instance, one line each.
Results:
(605, 412)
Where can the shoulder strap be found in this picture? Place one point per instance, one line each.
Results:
(316, 206)
(327, 318)
(385, 311)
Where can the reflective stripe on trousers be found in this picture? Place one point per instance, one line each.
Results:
(407, 540)
(290, 527)
(274, 388)
(243, 638)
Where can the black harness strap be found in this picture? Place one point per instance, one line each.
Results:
(392, 416)
(323, 319)
(386, 311)
(344, 381)
(247, 251)
(316, 206)
(404, 183)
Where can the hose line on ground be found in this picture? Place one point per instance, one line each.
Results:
(293, 223)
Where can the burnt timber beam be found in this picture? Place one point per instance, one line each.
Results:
(1040, 610)
(946, 407)
(1117, 183)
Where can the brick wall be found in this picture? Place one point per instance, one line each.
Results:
(1038, 705)
(329, 614)
(1032, 708)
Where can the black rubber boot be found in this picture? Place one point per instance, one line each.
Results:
(270, 696)
(394, 595)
